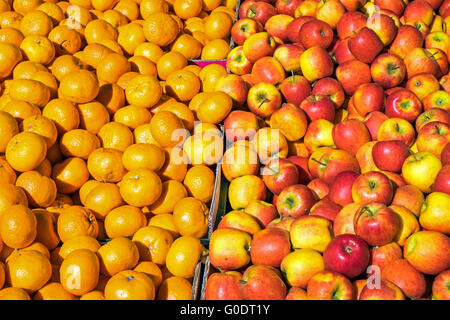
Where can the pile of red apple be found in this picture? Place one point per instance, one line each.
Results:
(339, 153)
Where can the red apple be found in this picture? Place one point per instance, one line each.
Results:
(350, 135)
(341, 53)
(410, 197)
(376, 224)
(269, 247)
(289, 57)
(239, 220)
(442, 181)
(372, 186)
(330, 11)
(433, 137)
(352, 74)
(445, 155)
(316, 33)
(347, 254)
(235, 87)
(325, 208)
(373, 121)
(277, 25)
(263, 99)
(353, 5)
(440, 286)
(390, 155)
(279, 174)
(403, 104)
(397, 6)
(365, 45)
(396, 129)
(296, 293)
(228, 249)
(268, 70)
(237, 62)
(240, 125)
(418, 61)
(287, 6)
(318, 107)
(243, 28)
(333, 162)
(262, 211)
(295, 89)
(223, 286)
(386, 290)
(388, 70)
(258, 45)
(295, 201)
(330, 285)
(383, 255)
(243, 8)
(384, 26)
(430, 115)
(262, 283)
(419, 10)
(319, 187)
(304, 175)
(293, 29)
(316, 63)
(426, 87)
(350, 23)
(260, 11)
(369, 97)
(408, 38)
(341, 188)
(331, 88)
(403, 275)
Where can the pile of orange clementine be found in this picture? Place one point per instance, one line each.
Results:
(106, 172)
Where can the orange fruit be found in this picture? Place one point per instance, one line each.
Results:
(125, 78)
(54, 154)
(46, 229)
(197, 100)
(143, 91)
(79, 143)
(93, 295)
(218, 26)
(182, 85)
(36, 22)
(167, 129)
(112, 96)
(18, 226)
(8, 129)
(87, 187)
(210, 5)
(114, 18)
(216, 49)
(29, 270)
(76, 243)
(10, 56)
(199, 182)
(132, 116)
(188, 46)
(210, 76)
(175, 165)
(115, 135)
(53, 291)
(65, 64)
(10, 19)
(98, 29)
(93, 116)
(153, 244)
(173, 191)
(164, 221)
(38, 48)
(190, 216)
(25, 6)
(117, 255)
(103, 198)
(130, 285)
(175, 288)
(160, 28)
(94, 53)
(124, 221)
(195, 69)
(183, 256)
(106, 165)
(181, 111)
(78, 15)
(142, 134)
(28, 90)
(11, 35)
(143, 65)
(140, 187)
(170, 62)
(63, 113)
(40, 190)
(10, 293)
(215, 108)
(45, 168)
(112, 67)
(53, 11)
(49, 80)
(186, 9)
(25, 69)
(130, 36)
(76, 221)
(65, 40)
(151, 270)
(79, 271)
(148, 7)
(35, 246)
(11, 195)
(20, 109)
(7, 173)
(70, 174)
(25, 151)
(79, 86)
(128, 8)
(2, 274)
(143, 155)
(103, 5)
(42, 126)
(149, 50)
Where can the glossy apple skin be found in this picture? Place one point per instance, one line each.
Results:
(343, 223)
(277, 24)
(365, 45)
(341, 52)
(332, 88)
(403, 104)
(372, 186)
(440, 286)
(268, 70)
(350, 23)
(408, 38)
(296, 293)
(239, 160)
(396, 6)
(287, 6)
(388, 70)
(279, 174)
(295, 89)
(228, 249)
(269, 247)
(289, 56)
(403, 275)
(383, 255)
(243, 28)
(386, 291)
(330, 285)
(384, 26)
(239, 220)
(397, 129)
(295, 201)
(264, 99)
(319, 187)
(240, 125)
(316, 63)
(419, 11)
(223, 286)
(419, 61)
(291, 121)
(376, 224)
(432, 137)
(442, 181)
(325, 208)
(341, 188)
(258, 45)
(369, 97)
(350, 135)
(445, 155)
(390, 155)
(420, 169)
(318, 107)
(410, 197)
(261, 11)
(293, 29)
(373, 121)
(262, 211)
(300, 265)
(302, 166)
(347, 254)
(351, 74)
(237, 62)
(334, 162)
(430, 115)
(316, 33)
(262, 283)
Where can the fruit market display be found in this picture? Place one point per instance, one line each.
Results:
(337, 168)
(105, 184)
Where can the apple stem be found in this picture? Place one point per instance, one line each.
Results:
(262, 102)
(321, 163)
(413, 154)
(242, 281)
(220, 269)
